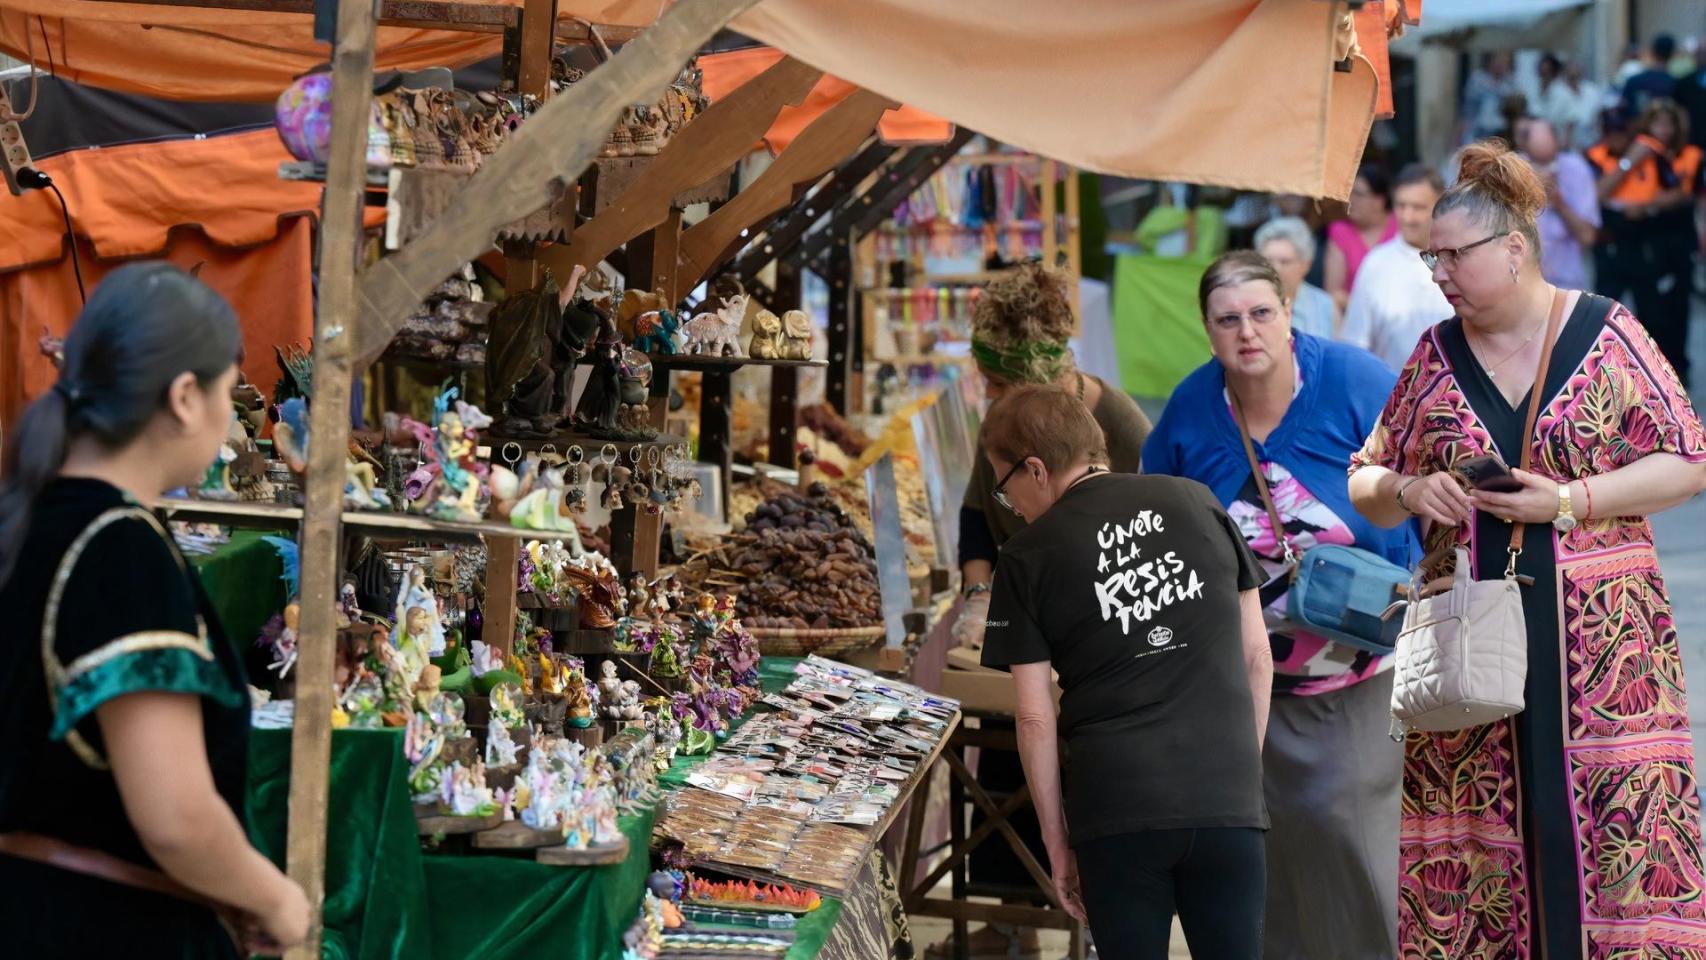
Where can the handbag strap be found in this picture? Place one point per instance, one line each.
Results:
(1261, 481)
(1535, 393)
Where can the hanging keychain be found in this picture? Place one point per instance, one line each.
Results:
(615, 478)
(576, 493)
(637, 491)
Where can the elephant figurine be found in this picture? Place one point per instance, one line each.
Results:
(718, 334)
(655, 332)
(766, 342)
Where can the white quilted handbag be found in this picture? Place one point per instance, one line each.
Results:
(1462, 654)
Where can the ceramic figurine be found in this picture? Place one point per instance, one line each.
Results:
(601, 400)
(575, 694)
(423, 746)
(506, 699)
(718, 334)
(525, 334)
(414, 594)
(639, 596)
(656, 332)
(463, 792)
(501, 750)
(216, 483)
(634, 374)
(486, 658)
(797, 329)
(766, 342)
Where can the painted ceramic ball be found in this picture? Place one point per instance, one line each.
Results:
(636, 366)
(303, 117)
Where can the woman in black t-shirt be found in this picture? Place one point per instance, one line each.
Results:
(1141, 594)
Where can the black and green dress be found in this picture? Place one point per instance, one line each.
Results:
(102, 604)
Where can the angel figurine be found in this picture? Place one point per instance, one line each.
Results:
(414, 594)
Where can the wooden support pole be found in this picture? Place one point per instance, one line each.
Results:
(555, 144)
(497, 629)
(703, 149)
(538, 22)
(329, 429)
(661, 275)
(844, 349)
(716, 416)
(785, 381)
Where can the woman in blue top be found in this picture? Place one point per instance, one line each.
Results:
(1331, 774)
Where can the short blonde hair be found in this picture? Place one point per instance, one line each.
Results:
(1046, 422)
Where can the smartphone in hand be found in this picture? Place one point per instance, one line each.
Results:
(1489, 473)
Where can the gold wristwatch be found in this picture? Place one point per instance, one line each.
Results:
(1566, 519)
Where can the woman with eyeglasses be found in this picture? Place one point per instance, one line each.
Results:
(1330, 771)
(1140, 593)
(1571, 829)
(1021, 328)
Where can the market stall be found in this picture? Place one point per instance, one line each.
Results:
(533, 639)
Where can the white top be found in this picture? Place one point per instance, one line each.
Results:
(1393, 303)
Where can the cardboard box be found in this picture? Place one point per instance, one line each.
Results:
(979, 688)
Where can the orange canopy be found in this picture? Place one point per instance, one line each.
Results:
(199, 53)
(726, 71)
(217, 200)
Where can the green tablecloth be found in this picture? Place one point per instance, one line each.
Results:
(386, 900)
(242, 581)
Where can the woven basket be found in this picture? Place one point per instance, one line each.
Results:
(788, 642)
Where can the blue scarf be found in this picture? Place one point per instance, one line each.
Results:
(1344, 391)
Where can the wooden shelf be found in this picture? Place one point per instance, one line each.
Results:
(561, 856)
(272, 515)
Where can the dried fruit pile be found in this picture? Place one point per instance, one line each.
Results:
(804, 563)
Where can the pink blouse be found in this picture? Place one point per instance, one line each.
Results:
(1345, 235)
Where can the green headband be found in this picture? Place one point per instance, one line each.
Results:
(1022, 361)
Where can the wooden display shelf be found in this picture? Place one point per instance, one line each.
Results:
(432, 825)
(561, 856)
(278, 515)
(515, 835)
(417, 196)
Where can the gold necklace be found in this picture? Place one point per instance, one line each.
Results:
(1492, 371)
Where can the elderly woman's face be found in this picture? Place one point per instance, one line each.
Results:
(1249, 329)
(1288, 263)
(1478, 278)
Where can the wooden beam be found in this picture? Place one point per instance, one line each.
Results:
(786, 232)
(538, 21)
(829, 140)
(862, 212)
(556, 144)
(709, 145)
(497, 610)
(420, 14)
(329, 428)
(784, 426)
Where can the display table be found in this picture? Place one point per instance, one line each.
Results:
(243, 580)
(386, 900)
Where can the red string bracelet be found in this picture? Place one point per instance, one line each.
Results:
(1588, 492)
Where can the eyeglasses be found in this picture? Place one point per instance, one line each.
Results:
(1260, 316)
(1450, 255)
(1000, 491)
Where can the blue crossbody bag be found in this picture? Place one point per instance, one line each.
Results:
(1337, 592)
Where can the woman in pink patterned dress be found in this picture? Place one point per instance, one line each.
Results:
(1573, 828)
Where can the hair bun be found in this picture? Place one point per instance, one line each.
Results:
(1495, 168)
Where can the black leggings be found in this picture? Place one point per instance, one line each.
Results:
(1216, 878)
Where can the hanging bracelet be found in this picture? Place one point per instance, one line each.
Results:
(1400, 495)
(1587, 494)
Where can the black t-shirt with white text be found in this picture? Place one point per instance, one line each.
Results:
(1129, 586)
